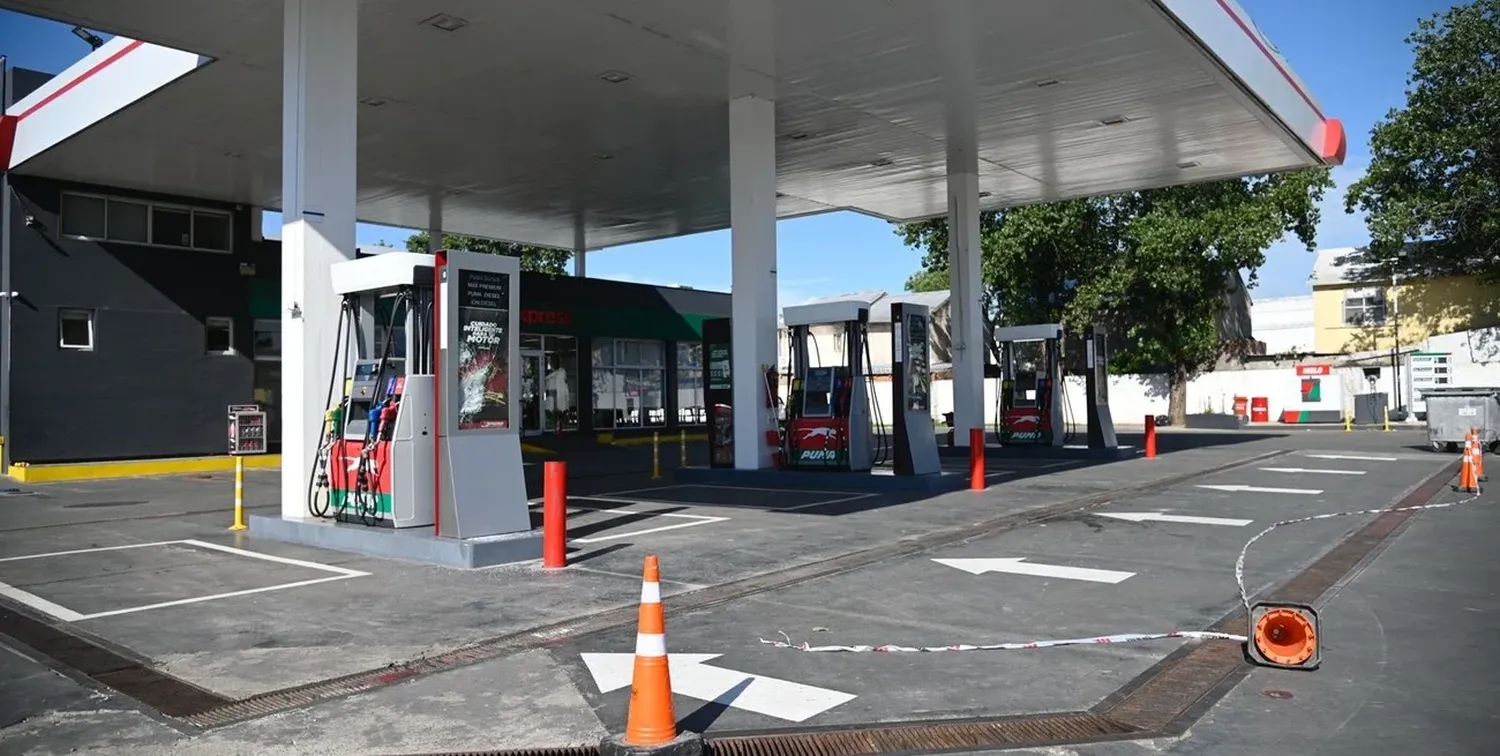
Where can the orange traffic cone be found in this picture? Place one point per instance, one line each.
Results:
(651, 725)
(1467, 483)
(1284, 636)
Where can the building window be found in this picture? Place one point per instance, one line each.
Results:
(629, 383)
(690, 409)
(218, 335)
(1364, 307)
(132, 221)
(267, 335)
(75, 329)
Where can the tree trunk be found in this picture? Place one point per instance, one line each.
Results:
(1177, 404)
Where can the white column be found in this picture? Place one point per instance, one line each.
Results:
(580, 251)
(964, 282)
(966, 325)
(318, 130)
(752, 209)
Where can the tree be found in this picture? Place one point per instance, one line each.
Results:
(533, 259)
(1434, 174)
(1152, 266)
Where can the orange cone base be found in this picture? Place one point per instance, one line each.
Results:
(1285, 636)
(685, 744)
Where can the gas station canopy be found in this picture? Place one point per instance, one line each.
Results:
(515, 119)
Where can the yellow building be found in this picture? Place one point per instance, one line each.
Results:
(1356, 310)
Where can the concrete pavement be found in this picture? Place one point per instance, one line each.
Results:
(741, 564)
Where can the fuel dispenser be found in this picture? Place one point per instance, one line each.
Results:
(424, 433)
(828, 409)
(913, 438)
(1031, 411)
(1032, 394)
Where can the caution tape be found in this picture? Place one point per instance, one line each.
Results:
(1103, 640)
(1239, 562)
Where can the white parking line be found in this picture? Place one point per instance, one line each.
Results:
(697, 520)
(68, 615)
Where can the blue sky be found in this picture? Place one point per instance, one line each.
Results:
(1351, 53)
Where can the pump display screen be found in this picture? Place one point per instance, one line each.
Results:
(817, 393)
(483, 299)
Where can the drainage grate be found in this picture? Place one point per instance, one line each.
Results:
(164, 693)
(926, 737)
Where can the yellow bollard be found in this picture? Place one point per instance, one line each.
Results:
(682, 448)
(239, 495)
(655, 455)
(1387, 419)
(1349, 422)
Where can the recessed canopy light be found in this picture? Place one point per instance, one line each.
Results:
(1186, 164)
(797, 136)
(233, 154)
(1047, 83)
(373, 102)
(881, 162)
(1114, 120)
(445, 22)
(615, 77)
(603, 156)
(984, 194)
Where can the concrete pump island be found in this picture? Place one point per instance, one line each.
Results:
(481, 510)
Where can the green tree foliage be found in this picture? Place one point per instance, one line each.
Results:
(1152, 266)
(533, 259)
(1434, 173)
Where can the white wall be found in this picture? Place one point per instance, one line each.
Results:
(1285, 324)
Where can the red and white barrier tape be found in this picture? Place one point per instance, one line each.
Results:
(1239, 579)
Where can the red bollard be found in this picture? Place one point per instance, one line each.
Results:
(555, 514)
(1150, 437)
(976, 459)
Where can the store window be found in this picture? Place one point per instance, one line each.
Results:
(549, 383)
(132, 221)
(218, 335)
(690, 408)
(75, 328)
(629, 383)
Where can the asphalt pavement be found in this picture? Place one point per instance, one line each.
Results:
(295, 650)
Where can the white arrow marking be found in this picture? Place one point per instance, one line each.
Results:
(1018, 566)
(693, 678)
(1352, 456)
(1316, 470)
(1259, 489)
(1164, 517)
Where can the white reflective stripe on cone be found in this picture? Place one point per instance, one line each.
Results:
(650, 644)
(650, 593)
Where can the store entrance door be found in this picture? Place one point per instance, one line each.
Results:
(531, 393)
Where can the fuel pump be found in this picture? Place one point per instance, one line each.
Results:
(425, 432)
(828, 410)
(1031, 411)
(376, 454)
(1032, 394)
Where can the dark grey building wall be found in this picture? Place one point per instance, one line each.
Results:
(148, 388)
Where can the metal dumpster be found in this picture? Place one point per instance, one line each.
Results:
(1453, 412)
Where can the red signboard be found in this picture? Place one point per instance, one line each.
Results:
(546, 317)
(1314, 370)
